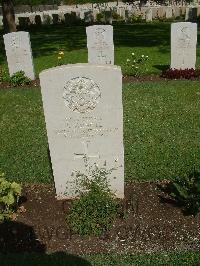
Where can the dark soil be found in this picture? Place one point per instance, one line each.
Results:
(150, 225)
(125, 79)
(34, 83)
(129, 79)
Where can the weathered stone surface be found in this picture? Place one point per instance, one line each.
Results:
(100, 44)
(19, 54)
(183, 45)
(84, 120)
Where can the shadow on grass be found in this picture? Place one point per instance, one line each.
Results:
(162, 67)
(48, 39)
(19, 245)
(142, 35)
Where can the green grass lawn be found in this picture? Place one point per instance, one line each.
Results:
(151, 39)
(61, 259)
(161, 132)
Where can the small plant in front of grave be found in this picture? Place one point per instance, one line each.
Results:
(96, 209)
(19, 79)
(181, 73)
(60, 57)
(185, 191)
(136, 65)
(9, 198)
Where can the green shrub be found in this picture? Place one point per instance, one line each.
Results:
(186, 191)
(9, 197)
(135, 65)
(116, 16)
(96, 209)
(19, 79)
(135, 19)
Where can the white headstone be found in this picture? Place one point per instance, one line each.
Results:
(84, 119)
(176, 11)
(161, 12)
(187, 11)
(149, 15)
(100, 44)
(19, 54)
(169, 13)
(183, 45)
(154, 12)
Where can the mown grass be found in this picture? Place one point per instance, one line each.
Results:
(61, 258)
(24, 148)
(161, 129)
(161, 132)
(151, 39)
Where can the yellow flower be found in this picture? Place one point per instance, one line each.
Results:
(59, 57)
(61, 53)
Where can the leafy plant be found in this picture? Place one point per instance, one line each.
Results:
(135, 19)
(181, 73)
(116, 16)
(19, 79)
(136, 65)
(186, 192)
(96, 209)
(9, 197)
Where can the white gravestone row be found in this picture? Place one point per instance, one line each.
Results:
(100, 44)
(183, 45)
(84, 121)
(19, 54)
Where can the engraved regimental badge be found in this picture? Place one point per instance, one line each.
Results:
(81, 94)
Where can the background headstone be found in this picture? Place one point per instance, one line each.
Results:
(169, 13)
(84, 120)
(176, 11)
(100, 44)
(161, 12)
(19, 54)
(183, 45)
(149, 15)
